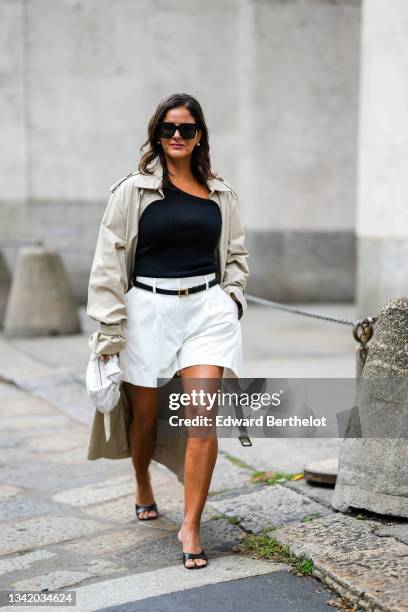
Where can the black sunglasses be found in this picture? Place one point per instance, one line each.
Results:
(186, 130)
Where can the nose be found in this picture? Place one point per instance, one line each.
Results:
(177, 132)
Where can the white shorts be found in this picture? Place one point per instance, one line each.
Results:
(166, 333)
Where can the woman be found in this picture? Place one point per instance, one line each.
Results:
(176, 317)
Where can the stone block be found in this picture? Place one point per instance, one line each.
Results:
(44, 530)
(373, 469)
(40, 301)
(116, 541)
(349, 556)
(7, 491)
(51, 581)
(96, 493)
(21, 507)
(25, 561)
(268, 506)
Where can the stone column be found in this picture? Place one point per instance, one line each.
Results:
(382, 219)
(373, 469)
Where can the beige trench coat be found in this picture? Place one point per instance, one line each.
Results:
(110, 279)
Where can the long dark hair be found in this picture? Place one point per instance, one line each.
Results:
(200, 158)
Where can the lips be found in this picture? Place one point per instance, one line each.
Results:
(177, 146)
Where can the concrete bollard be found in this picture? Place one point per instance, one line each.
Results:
(5, 283)
(40, 301)
(373, 470)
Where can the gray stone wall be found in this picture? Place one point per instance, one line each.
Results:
(278, 81)
(382, 220)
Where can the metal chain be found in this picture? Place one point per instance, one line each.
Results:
(363, 329)
(363, 332)
(314, 315)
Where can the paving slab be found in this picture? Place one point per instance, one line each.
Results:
(58, 350)
(322, 494)
(115, 542)
(119, 510)
(74, 438)
(46, 374)
(20, 507)
(52, 581)
(398, 531)
(102, 567)
(27, 452)
(217, 538)
(228, 475)
(268, 506)
(19, 367)
(122, 510)
(19, 438)
(394, 599)
(41, 570)
(286, 455)
(101, 491)
(49, 476)
(21, 407)
(67, 393)
(7, 491)
(73, 457)
(32, 422)
(43, 530)
(348, 556)
(24, 561)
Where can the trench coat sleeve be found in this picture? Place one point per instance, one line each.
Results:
(108, 280)
(236, 268)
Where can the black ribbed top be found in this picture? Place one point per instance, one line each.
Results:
(177, 236)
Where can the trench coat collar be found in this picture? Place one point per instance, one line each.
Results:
(153, 181)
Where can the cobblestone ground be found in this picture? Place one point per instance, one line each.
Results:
(67, 522)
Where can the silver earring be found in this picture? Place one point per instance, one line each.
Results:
(198, 144)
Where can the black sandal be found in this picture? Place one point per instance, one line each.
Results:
(201, 555)
(141, 509)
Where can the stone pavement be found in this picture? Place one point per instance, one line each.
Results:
(361, 557)
(67, 522)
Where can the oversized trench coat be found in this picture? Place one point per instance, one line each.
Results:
(110, 279)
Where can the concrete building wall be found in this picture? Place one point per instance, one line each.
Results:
(278, 82)
(13, 117)
(382, 221)
(300, 116)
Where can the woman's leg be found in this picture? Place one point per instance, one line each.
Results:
(142, 440)
(201, 456)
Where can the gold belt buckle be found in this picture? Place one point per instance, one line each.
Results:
(182, 292)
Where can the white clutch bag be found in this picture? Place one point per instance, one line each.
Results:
(103, 380)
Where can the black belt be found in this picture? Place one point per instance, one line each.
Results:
(179, 292)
